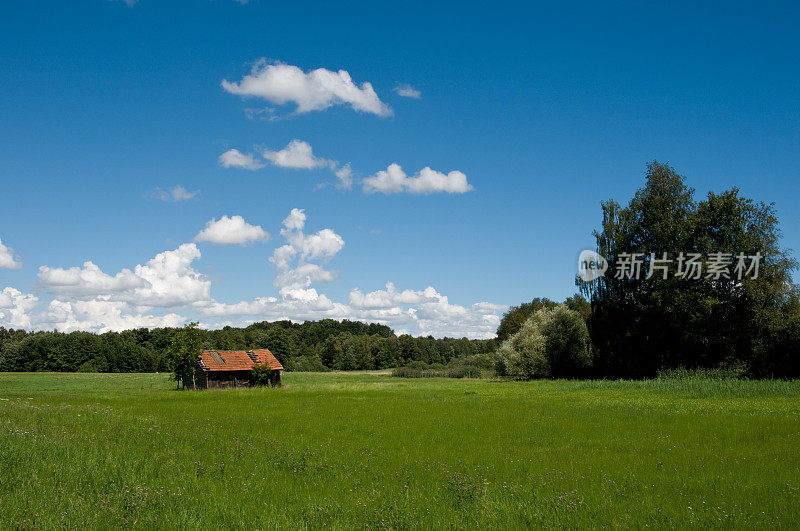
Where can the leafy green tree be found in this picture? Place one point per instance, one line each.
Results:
(523, 354)
(641, 325)
(551, 343)
(280, 340)
(567, 346)
(184, 351)
(514, 318)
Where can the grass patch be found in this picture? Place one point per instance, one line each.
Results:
(370, 451)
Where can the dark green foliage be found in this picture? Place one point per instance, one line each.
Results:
(309, 346)
(566, 343)
(263, 375)
(639, 327)
(187, 344)
(311, 363)
(467, 367)
(128, 351)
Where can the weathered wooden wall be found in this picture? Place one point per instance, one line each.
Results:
(222, 379)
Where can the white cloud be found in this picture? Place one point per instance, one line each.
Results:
(296, 219)
(86, 298)
(7, 259)
(407, 91)
(172, 280)
(440, 318)
(175, 194)
(429, 310)
(165, 281)
(426, 181)
(303, 276)
(102, 316)
(88, 281)
(316, 90)
(345, 176)
(390, 297)
(293, 261)
(15, 307)
(297, 155)
(233, 158)
(299, 305)
(232, 230)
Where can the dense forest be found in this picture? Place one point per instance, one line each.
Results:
(312, 345)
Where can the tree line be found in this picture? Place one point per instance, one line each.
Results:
(312, 345)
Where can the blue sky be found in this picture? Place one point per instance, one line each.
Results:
(545, 108)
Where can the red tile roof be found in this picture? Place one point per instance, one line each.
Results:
(265, 356)
(237, 360)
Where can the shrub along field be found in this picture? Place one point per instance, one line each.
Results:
(370, 451)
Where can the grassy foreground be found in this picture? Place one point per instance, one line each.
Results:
(371, 451)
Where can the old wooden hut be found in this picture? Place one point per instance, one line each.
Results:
(231, 368)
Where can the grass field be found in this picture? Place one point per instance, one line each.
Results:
(370, 451)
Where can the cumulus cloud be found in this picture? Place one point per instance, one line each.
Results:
(166, 280)
(232, 230)
(390, 297)
(316, 90)
(175, 194)
(297, 155)
(15, 307)
(233, 158)
(171, 279)
(87, 281)
(426, 181)
(7, 259)
(102, 316)
(294, 261)
(86, 298)
(407, 91)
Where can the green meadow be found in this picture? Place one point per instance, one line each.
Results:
(368, 451)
